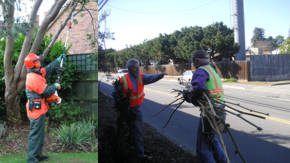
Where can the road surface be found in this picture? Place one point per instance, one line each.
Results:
(270, 145)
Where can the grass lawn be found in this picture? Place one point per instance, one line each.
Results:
(55, 157)
(230, 80)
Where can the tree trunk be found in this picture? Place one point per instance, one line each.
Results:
(12, 100)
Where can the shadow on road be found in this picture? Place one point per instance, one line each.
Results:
(182, 130)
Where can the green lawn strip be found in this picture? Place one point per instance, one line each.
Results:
(55, 158)
(230, 80)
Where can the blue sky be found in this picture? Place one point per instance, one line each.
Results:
(134, 21)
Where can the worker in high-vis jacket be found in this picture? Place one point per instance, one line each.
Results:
(37, 91)
(135, 81)
(205, 78)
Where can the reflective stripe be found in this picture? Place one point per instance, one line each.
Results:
(125, 82)
(215, 91)
(215, 81)
(140, 80)
(134, 97)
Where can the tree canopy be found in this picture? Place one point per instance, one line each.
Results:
(178, 46)
(285, 46)
(259, 35)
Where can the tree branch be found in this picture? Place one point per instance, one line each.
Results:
(94, 29)
(39, 37)
(59, 14)
(19, 68)
(50, 17)
(55, 36)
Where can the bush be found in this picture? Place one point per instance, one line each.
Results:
(79, 135)
(65, 113)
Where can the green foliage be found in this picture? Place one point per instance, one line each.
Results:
(178, 46)
(276, 42)
(285, 46)
(79, 135)
(66, 112)
(259, 34)
(231, 80)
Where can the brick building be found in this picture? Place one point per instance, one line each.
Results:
(78, 36)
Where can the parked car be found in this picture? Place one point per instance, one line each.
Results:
(185, 77)
(122, 72)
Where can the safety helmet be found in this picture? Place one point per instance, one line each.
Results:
(32, 61)
(201, 54)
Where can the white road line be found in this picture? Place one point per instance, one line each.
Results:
(234, 87)
(276, 98)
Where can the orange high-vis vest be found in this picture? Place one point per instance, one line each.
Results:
(36, 83)
(136, 98)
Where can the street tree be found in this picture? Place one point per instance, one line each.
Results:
(15, 74)
(285, 47)
(259, 35)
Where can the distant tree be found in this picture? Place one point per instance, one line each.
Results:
(218, 38)
(278, 41)
(285, 47)
(259, 34)
(180, 45)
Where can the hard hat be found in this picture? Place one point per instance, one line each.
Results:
(201, 54)
(32, 61)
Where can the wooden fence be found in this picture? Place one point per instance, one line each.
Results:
(259, 68)
(270, 67)
(238, 70)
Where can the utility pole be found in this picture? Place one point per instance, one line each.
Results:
(239, 29)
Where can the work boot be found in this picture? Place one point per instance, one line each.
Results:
(42, 158)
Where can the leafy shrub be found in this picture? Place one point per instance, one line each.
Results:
(65, 113)
(79, 135)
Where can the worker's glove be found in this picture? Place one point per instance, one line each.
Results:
(57, 86)
(187, 96)
(61, 57)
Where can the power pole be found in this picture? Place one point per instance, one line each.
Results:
(239, 28)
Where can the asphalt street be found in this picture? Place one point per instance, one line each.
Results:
(272, 144)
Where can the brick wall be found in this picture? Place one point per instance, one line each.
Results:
(78, 32)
